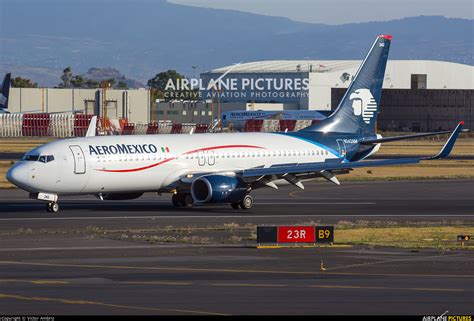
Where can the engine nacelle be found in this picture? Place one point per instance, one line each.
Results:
(119, 196)
(218, 189)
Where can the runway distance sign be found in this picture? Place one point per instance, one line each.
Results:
(295, 234)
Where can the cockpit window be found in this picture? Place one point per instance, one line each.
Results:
(38, 158)
(31, 158)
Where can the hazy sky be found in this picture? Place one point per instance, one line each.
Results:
(343, 11)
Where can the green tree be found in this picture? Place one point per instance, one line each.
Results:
(165, 85)
(19, 82)
(161, 79)
(66, 78)
(77, 82)
(91, 83)
(122, 85)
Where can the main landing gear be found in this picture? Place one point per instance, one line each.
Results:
(182, 200)
(52, 207)
(246, 203)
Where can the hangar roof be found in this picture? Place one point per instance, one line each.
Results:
(440, 74)
(324, 65)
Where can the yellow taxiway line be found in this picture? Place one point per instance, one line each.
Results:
(97, 303)
(250, 271)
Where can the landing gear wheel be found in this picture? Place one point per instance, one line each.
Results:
(235, 206)
(52, 207)
(246, 203)
(175, 200)
(186, 200)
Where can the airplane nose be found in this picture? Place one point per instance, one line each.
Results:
(18, 175)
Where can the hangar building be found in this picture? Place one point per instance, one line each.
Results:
(418, 95)
(132, 104)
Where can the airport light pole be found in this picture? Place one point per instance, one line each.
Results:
(219, 90)
(212, 104)
(152, 102)
(105, 86)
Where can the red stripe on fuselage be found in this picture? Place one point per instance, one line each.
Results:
(135, 169)
(220, 147)
(170, 159)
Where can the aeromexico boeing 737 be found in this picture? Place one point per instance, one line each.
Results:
(219, 167)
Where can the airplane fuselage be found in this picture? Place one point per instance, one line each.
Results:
(108, 164)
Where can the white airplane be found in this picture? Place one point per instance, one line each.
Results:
(238, 118)
(218, 167)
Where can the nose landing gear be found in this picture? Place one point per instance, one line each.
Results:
(52, 199)
(52, 207)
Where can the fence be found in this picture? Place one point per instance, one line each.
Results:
(10, 125)
(43, 125)
(70, 125)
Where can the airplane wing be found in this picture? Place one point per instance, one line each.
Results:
(294, 172)
(339, 164)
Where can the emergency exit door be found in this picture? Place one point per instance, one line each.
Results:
(79, 159)
(342, 147)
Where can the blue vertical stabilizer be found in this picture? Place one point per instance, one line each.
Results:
(358, 109)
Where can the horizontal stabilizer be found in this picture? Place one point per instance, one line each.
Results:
(396, 138)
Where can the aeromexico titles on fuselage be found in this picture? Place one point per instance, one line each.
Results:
(125, 149)
(352, 149)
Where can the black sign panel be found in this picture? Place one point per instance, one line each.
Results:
(267, 234)
(324, 234)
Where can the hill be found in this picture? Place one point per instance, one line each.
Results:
(143, 37)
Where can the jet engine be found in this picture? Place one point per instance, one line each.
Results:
(218, 189)
(119, 196)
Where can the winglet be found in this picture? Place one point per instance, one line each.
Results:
(448, 146)
(92, 127)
